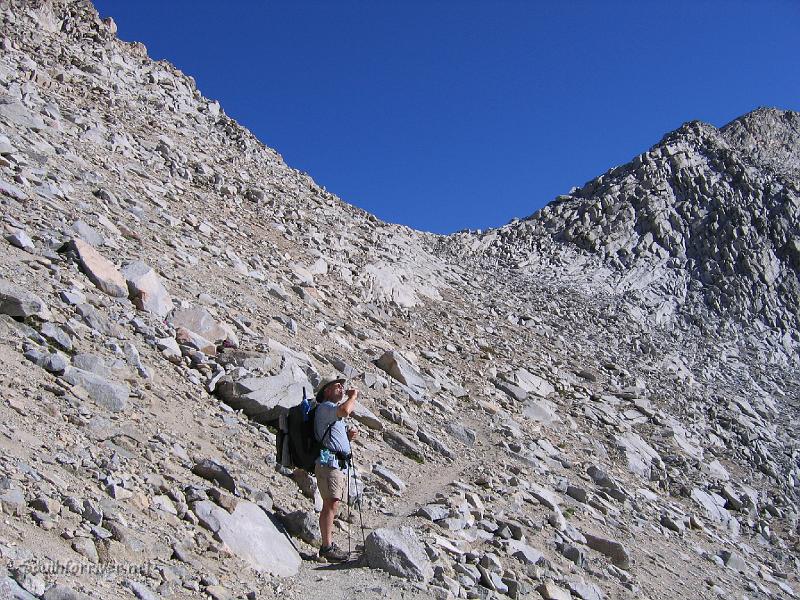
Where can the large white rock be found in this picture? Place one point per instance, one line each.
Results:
(402, 370)
(366, 417)
(398, 552)
(146, 289)
(264, 399)
(251, 535)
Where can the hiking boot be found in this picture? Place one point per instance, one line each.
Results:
(333, 554)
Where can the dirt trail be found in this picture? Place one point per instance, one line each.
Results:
(418, 492)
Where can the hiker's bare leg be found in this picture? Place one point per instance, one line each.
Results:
(326, 517)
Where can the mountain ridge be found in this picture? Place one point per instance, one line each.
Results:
(693, 204)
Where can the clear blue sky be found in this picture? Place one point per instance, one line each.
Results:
(446, 115)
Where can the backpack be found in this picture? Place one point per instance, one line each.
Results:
(296, 444)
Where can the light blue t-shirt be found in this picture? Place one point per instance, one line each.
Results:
(336, 439)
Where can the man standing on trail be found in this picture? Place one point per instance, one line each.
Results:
(334, 457)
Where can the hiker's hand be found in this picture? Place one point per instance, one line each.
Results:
(352, 434)
(347, 407)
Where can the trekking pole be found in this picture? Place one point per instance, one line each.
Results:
(349, 514)
(349, 501)
(360, 510)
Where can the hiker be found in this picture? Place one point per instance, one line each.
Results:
(334, 457)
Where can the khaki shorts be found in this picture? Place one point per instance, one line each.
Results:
(332, 483)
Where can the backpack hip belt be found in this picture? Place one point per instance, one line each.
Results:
(342, 458)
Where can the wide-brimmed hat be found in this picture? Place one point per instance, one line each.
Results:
(325, 382)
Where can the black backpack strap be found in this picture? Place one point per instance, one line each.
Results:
(327, 433)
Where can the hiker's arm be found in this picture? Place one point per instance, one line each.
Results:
(348, 406)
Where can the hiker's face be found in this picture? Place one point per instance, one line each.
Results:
(334, 392)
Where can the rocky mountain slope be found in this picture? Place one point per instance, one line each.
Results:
(705, 221)
(594, 405)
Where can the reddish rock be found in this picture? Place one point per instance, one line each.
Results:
(99, 269)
